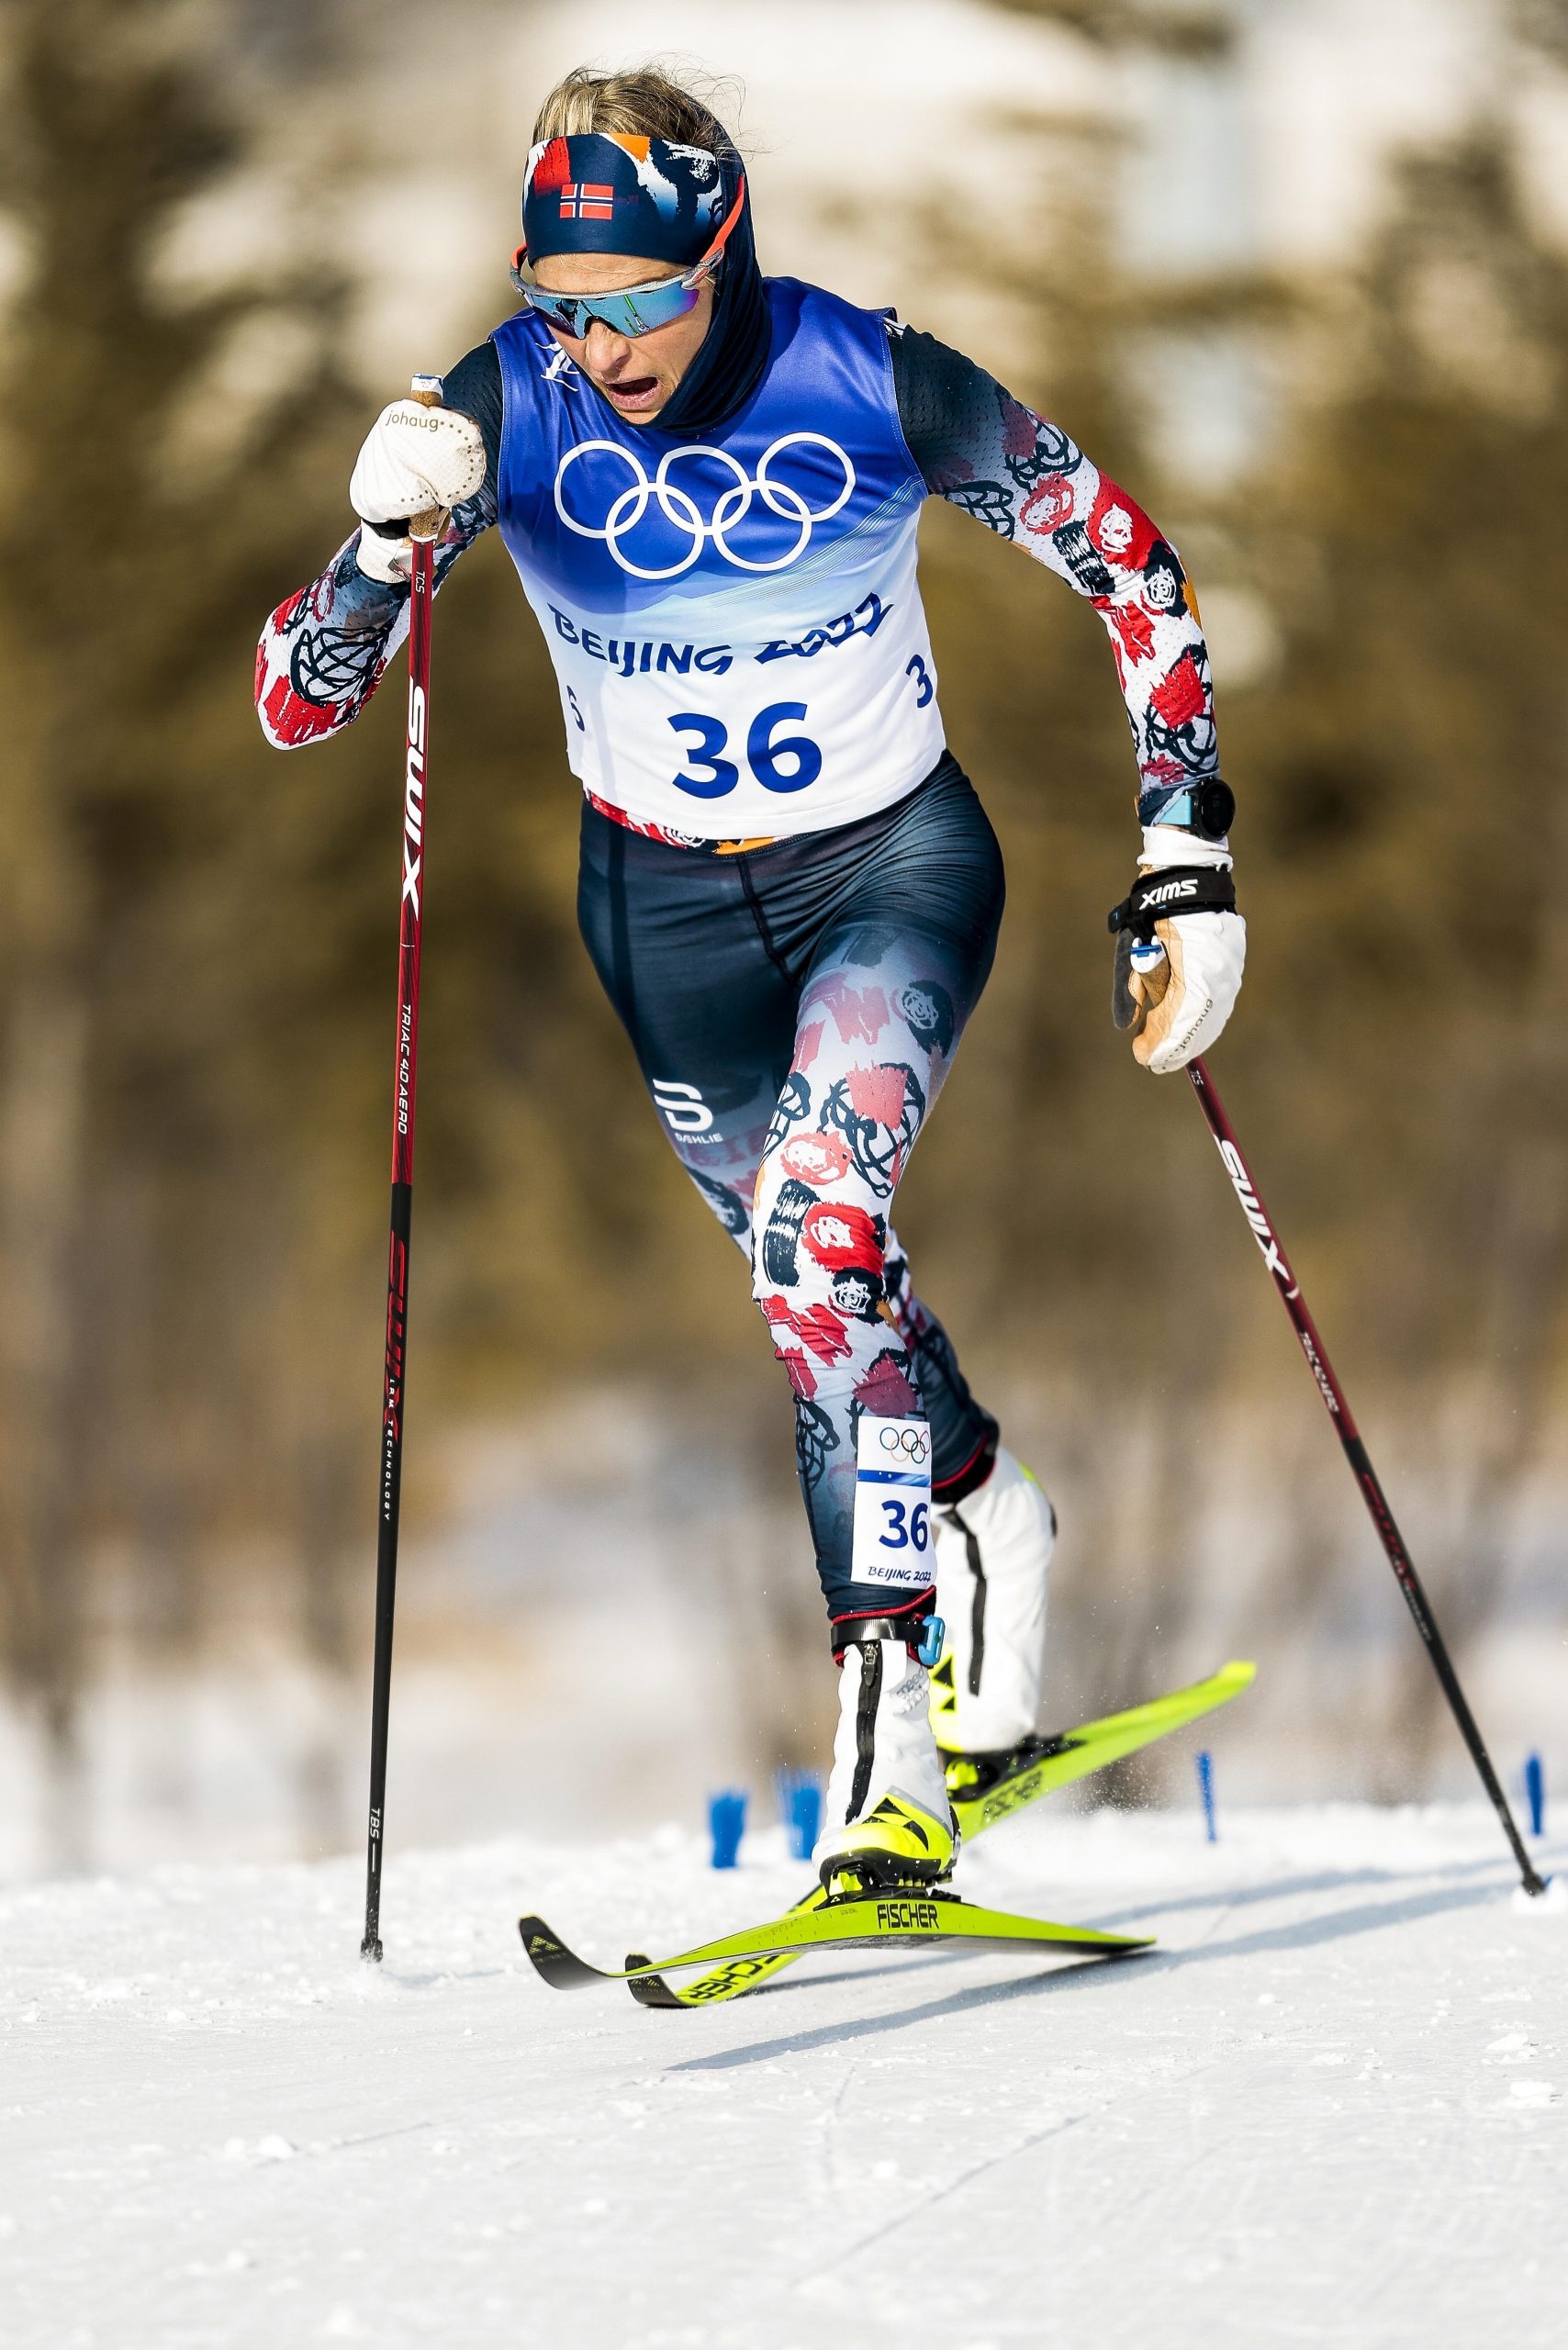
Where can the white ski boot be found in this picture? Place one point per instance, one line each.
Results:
(993, 1551)
(885, 1819)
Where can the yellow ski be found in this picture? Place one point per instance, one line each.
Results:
(1040, 1766)
(844, 1922)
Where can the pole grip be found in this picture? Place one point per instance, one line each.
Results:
(427, 391)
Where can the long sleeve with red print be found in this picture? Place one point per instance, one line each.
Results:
(981, 450)
(324, 652)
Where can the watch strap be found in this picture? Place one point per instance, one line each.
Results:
(1207, 808)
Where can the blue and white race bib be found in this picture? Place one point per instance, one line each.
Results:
(734, 621)
(893, 1504)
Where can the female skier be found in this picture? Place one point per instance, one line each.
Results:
(710, 483)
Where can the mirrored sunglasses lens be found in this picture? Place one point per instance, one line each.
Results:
(618, 312)
(628, 314)
(559, 309)
(659, 305)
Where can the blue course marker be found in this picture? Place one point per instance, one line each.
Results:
(806, 1814)
(1206, 1789)
(1535, 1794)
(801, 1808)
(726, 1823)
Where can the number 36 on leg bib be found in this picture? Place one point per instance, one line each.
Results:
(893, 1504)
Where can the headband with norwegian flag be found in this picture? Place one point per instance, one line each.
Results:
(602, 192)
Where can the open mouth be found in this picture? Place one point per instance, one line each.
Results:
(631, 391)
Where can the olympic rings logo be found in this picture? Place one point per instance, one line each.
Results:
(680, 510)
(904, 1436)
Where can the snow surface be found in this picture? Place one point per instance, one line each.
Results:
(1333, 2108)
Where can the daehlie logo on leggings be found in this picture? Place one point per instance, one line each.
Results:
(683, 1106)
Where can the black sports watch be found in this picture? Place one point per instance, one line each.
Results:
(1207, 808)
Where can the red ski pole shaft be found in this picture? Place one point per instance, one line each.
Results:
(424, 529)
(1356, 1454)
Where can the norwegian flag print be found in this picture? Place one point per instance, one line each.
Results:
(587, 200)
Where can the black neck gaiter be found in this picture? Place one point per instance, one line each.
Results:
(733, 353)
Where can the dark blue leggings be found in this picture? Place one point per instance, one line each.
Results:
(794, 1009)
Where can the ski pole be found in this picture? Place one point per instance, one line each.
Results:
(1356, 1454)
(424, 529)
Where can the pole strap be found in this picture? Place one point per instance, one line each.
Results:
(1173, 889)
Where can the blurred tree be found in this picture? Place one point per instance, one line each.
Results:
(133, 570)
(197, 953)
(196, 959)
(1407, 763)
(1397, 1056)
(1194, 29)
(1543, 24)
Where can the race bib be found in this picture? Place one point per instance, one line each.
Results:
(893, 1504)
(736, 621)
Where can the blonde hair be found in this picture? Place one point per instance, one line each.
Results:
(644, 101)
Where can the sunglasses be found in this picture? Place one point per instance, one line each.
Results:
(631, 310)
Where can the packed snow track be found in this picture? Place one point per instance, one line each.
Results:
(1331, 2108)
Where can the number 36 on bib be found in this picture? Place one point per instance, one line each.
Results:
(893, 1504)
(780, 761)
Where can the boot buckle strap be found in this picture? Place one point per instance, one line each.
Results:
(923, 1635)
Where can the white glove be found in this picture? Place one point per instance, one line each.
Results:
(417, 463)
(1176, 993)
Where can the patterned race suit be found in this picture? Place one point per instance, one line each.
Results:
(788, 886)
(795, 1010)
